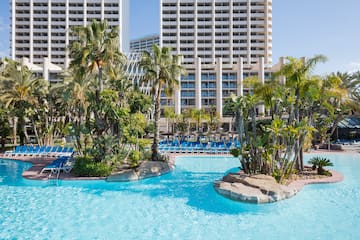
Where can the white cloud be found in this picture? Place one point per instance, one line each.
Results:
(353, 67)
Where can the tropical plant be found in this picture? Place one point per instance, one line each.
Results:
(161, 70)
(95, 48)
(198, 115)
(95, 55)
(297, 73)
(295, 108)
(319, 163)
(5, 128)
(20, 91)
(170, 116)
(214, 119)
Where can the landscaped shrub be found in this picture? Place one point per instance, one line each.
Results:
(86, 167)
(135, 157)
(320, 163)
(235, 152)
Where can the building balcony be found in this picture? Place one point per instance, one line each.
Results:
(60, 8)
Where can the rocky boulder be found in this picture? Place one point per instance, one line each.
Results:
(253, 189)
(152, 169)
(145, 170)
(123, 176)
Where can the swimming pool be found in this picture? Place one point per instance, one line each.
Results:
(179, 205)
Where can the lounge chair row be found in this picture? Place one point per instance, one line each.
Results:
(194, 150)
(227, 145)
(41, 151)
(198, 147)
(64, 164)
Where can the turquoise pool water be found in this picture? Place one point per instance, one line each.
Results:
(180, 205)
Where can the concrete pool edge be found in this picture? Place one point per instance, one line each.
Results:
(260, 189)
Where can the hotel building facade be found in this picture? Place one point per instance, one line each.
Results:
(145, 43)
(41, 28)
(222, 42)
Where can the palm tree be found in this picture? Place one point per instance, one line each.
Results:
(336, 101)
(95, 51)
(20, 89)
(199, 115)
(161, 70)
(214, 119)
(351, 82)
(346, 78)
(72, 95)
(297, 72)
(355, 83)
(237, 105)
(5, 127)
(96, 47)
(169, 114)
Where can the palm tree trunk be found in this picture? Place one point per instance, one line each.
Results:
(240, 128)
(26, 135)
(253, 119)
(101, 83)
(155, 145)
(36, 133)
(14, 122)
(3, 142)
(298, 163)
(198, 124)
(297, 94)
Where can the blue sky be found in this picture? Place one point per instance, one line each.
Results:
(300, 28)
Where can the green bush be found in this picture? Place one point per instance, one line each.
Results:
(135, 157)
(235, 152)
(86, 167)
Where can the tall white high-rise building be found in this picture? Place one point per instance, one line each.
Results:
(222, 42)
(212, 29)
(145, 43)
(41, 28)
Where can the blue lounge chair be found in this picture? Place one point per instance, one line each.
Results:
(56, 165)
(55, 151)
(41, 151)
(14, 152)
(22, 151)
(68, 152)
(46, 152)
(34, 151)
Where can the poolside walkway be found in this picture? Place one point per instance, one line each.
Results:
(38, 163)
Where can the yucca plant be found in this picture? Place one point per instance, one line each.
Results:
(319, 163)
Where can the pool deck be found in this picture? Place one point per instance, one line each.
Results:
(38, 163)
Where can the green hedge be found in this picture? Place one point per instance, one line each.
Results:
(86, 167)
